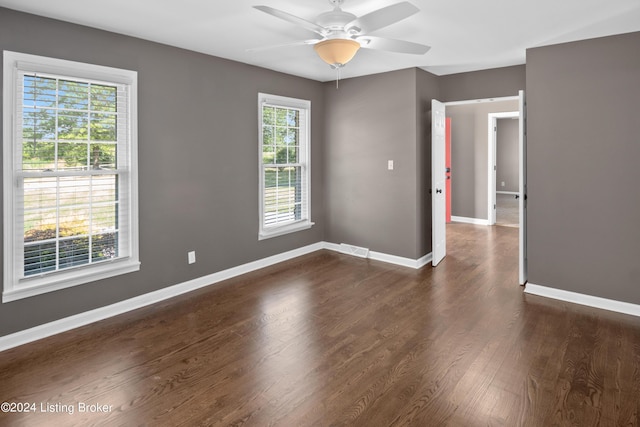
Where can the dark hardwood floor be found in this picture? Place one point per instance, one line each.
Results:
(330, 340)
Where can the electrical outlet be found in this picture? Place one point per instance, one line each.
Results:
(191, 257)
(502, 183)
(390, 165)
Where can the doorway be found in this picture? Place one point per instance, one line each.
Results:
(503, 168)
(478, 168)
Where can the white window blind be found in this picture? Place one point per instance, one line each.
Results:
(71, 165)
(284, 165)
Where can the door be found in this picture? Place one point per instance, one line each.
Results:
(523, 190)
(438, 178)
(447, 166)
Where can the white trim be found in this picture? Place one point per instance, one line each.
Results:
(16, 285)
(304, 160)
(286, 229)
(75, 277)
(513, 193)
(583, 299)
(88, 317)
(522, 189)
(397, 260)
(478, 101)
(82, 319)
(476, 221)
(379, 256)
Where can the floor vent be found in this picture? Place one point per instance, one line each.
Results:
(354, 250)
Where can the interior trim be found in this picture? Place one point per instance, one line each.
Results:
(81, 319)
(476, 221)
(583, 299)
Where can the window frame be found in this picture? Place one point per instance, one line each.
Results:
(16, 284)
(304, 159)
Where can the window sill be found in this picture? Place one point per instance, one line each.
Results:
(284, 229)
(48, 283)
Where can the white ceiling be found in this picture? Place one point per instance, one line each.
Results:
(465, 35)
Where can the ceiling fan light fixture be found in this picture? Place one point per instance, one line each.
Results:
(337, 52)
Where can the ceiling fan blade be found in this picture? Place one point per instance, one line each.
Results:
(391, 45)
(276, 46)
(382, 17)
(293, 19)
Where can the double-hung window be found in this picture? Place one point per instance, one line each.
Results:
(70, 174)
(284, 165)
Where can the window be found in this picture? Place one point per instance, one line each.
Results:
(70, 174)
(284, 165)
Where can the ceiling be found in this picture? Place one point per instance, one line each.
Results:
(465, 35)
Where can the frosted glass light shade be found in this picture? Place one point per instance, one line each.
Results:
(336, 52)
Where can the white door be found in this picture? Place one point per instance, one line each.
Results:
(438, 177)
(523, 190)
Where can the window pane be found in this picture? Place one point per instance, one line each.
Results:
(103, 156)
(39, 258)
(293, 136)
(103, 218)
(73, 95)
(103, 127)
(267, 136)
(268, 154)
(38, 124)
(281, 136)
(74, 221)
(282, 195)
(73, 125)
(104, 246)
(39, 91)
(281, 116)
(39, 193)
(39, 225)
(292, 155)
(73, 191)
(74, 252)
(293, 118)
(38, 155)
(103, 98)
(84, 204)
(268, 115)
(72, 155)
(104, 188)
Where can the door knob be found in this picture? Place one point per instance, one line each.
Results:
(438, 190)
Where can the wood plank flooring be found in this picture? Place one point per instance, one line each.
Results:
(332, 340)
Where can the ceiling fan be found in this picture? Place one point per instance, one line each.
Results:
(341, 33)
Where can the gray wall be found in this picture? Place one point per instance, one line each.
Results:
(198, 157)
(494, 83)
(371, 120)
(507, 155)
(469, 156)
(583, 175)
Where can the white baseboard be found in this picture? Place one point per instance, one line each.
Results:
(82, 319)
(88, 317)
(476, 221)
(379, 256)
(583, 299)
(406, 262)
